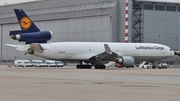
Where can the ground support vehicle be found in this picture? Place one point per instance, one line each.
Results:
(145, 64)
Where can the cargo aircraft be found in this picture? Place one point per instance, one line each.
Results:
(92, 53)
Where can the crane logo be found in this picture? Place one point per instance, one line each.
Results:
(25, 23)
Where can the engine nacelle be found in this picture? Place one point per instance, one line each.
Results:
(177, 53)
(125, 61)
(33, 37)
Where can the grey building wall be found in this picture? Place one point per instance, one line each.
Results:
(162, 27)
(85, 29)
(114, 23)
(105, 23)
(99, 24)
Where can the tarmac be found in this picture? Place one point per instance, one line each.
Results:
(71, 84)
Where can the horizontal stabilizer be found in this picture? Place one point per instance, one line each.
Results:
(19, 47)
(11, 45)
(22, 47)
(28, 48)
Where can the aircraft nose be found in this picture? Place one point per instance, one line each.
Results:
(172, 53)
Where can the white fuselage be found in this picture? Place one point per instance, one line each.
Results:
(72, 51)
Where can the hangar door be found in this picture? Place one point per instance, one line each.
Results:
(161, 24)
(86, 29)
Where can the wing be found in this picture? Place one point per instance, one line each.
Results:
(107, 55)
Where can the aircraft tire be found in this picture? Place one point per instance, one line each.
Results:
(100, 67)
(83, 66)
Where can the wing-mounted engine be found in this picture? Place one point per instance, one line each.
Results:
(177, 53)
(125, 60)
(108, 55)
(32, 37)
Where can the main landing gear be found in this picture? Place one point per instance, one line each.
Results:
(89, 67)
(83, 66)
(100, 67)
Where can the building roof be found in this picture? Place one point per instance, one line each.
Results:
(161, 1)
(53, 9)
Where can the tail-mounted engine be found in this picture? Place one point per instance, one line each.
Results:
(32, 37)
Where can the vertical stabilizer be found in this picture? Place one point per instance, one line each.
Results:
(25, 22)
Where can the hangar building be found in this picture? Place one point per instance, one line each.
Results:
(94, 21)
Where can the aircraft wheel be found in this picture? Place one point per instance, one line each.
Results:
(78, 66)
(83, 66)
(100, 67)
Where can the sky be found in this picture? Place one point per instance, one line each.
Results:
(3, 2)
